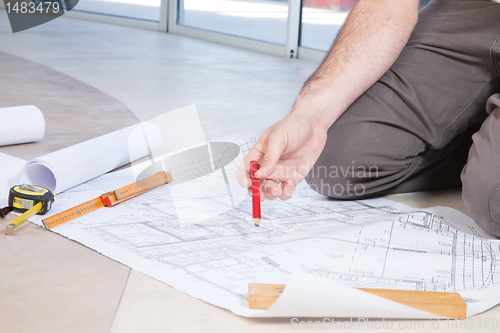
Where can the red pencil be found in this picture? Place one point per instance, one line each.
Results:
(254, 166)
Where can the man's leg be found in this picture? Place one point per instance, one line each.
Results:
(409, 131)
(481, 175)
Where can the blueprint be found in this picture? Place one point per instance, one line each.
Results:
(10, 167)
(198, 236)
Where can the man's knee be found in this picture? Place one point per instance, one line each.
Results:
(365, 152)
(344, 170)
(482, 200)
(342, 180)
(480, 177)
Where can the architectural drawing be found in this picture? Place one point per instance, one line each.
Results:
(198, 236)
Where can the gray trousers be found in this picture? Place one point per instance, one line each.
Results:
(412, 130)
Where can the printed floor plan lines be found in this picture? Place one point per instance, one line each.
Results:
(198, 236)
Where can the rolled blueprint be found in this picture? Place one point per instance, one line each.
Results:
(68, 167)
(9, 175)
(21, 124)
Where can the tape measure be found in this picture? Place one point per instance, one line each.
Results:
(24, 197)
(29, 199)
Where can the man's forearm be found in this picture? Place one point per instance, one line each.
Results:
(373, 36)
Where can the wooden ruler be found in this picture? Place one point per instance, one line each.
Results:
(141, 186)
(108, 199)
(450, 305)
(69, 214)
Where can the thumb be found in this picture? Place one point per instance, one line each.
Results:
(276, 144)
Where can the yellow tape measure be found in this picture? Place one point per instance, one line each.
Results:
(24, 197)
(31, 200)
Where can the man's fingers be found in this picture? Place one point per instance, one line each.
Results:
(270, 189)
(243, 172)
(243, 176)
(287, 189)
(276, 144)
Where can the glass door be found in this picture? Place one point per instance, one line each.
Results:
(263, 20)
(148, 10)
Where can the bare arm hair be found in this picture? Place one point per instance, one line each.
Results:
(371, 39)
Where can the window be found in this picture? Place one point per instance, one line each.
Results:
(148, 10)
(264, 20)
(321, 21)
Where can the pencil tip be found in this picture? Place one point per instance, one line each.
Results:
(257, 222)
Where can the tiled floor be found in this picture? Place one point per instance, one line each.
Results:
(152, 72)
(148, 73)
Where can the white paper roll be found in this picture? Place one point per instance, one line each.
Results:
(9, 175)
(21, 124)
(68, 167)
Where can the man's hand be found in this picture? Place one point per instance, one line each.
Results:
(372, 38)
(286, 152)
